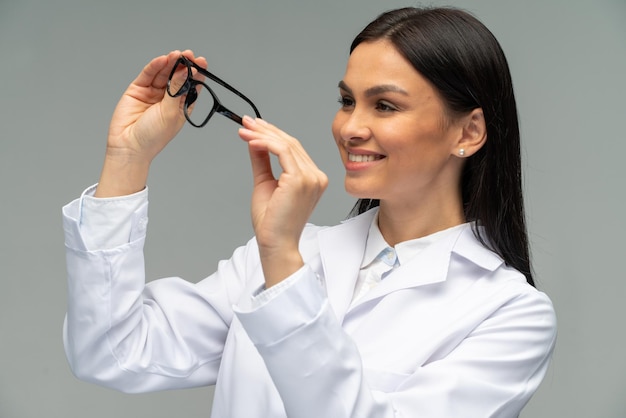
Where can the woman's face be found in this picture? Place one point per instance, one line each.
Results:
(392, 132)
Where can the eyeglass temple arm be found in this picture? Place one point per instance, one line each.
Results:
(224, 84)
(230, 115)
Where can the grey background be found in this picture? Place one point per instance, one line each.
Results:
(65, 63)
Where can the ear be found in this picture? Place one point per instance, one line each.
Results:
(473, 134)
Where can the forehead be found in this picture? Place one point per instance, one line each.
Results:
(380, 63)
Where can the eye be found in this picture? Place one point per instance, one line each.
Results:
(346, 101)
(385, 107)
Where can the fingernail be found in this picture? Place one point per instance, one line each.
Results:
(248, 119)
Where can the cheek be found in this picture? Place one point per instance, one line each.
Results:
(336, 127)
(413, 154)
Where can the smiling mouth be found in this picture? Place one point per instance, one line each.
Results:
(359, 158)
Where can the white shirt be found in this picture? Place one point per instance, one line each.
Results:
(452, 332)
(379, 259)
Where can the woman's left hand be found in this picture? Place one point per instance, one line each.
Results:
(280, 207)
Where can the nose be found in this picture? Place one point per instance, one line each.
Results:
(352, 126)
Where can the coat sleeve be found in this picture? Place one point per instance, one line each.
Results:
(315, 366)
(318, 371)
(124, 334)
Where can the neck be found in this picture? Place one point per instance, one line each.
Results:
(402, 221)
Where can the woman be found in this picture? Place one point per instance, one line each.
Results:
(423, 305)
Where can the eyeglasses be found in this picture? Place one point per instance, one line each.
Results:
(200, 105)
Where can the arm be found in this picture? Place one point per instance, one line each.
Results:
(119, 332)
(124, 334)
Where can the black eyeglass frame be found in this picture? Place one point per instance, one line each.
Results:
(189, 89)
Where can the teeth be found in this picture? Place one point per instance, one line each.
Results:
(362, 158)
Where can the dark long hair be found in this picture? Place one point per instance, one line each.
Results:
(463, 61)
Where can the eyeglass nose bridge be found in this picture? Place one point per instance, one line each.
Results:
(190, 90)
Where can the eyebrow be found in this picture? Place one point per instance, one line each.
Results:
(373, 91)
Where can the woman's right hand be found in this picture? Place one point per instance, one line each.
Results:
(145, 120)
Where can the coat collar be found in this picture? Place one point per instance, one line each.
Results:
(342, 248)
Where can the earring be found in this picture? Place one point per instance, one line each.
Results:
(461, 152)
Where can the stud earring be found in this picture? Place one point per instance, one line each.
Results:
(461, 152)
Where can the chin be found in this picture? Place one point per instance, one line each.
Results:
(359, 192)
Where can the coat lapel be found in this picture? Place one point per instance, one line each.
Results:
(432, 264)
(428, 267)
(341, 252)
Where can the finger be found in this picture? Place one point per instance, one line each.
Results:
(259, 157)
(202, 62)
(261, 165)
(262, 130)
(161, 79)
(152, 74)
(177, 80)
(156, 73)
(199, 61)
(296, 170)
(295, 164)
(280, 135)
(264, 136)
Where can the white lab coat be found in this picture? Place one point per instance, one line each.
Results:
(452, 333)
